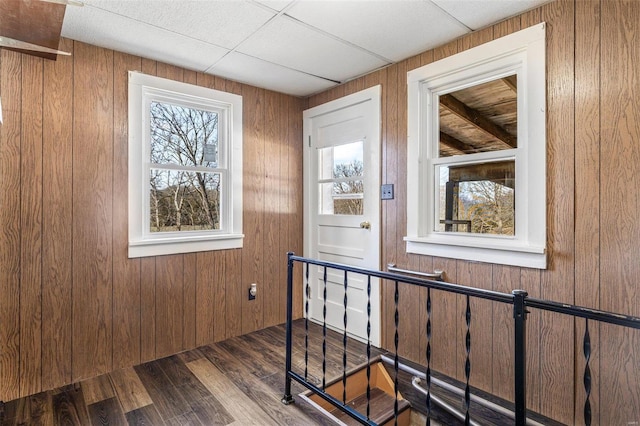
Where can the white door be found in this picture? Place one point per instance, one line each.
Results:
(342, 210)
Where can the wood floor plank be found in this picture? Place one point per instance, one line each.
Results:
(256, 389)
(144, 416)
(211, 412)
(97, 389)
(106, 412)
(186, 419)
(183, 379)
(130, 390)
(69, 408)
(242, 408)
(168, 401)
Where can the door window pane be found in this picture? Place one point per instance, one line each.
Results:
(339, 192)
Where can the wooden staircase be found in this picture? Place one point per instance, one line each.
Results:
(381, 401)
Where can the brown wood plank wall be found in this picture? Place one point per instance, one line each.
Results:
(72, 305)
(593, 48)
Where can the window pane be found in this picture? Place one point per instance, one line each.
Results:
(341, 161)
(343, 197)
(184, 201)
(477, 198)
(183, 136)
(479, 118)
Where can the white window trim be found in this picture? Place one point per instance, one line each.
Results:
(522, 52)
(141, 242)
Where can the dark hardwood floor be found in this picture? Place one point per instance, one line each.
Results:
(239, 381)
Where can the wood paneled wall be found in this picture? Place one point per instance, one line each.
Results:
(593, 196)
(72, 305)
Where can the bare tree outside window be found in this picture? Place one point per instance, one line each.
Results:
(489, 205)
(348, 198)
(184, 183)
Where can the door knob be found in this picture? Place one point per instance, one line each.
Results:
(365, 225)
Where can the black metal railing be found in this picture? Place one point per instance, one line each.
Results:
(518, 299)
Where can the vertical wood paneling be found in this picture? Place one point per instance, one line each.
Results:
(531, 281)
(189, 318)
(285, 207)
(478, 275)
(253, 199)
(57, 222)
(92, 208)
(587, 192)
(295, 221)
(558, 279)
(444, 319)
(234, 293)
(389, 207)
(271, 178)
(219, 291)
(619, 203)
(10, 66)
(505, 280)
(31, 226)
(147, 309)
(169, 304)
(126, 272)
(205, 298)
(73, 305)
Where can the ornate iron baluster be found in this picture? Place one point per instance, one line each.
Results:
(586, 347)
(396, 339)
(467, 364)
(307, 290)
(368, 345)
(344, 344)
(428, 372)
(324, 330)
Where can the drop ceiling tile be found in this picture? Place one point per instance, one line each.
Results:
(393, 29)
(105, 29)
(256, 72)
(223, 22)
(276, 4)
(479, 13)
(289, 43)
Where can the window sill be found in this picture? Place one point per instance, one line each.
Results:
(503, 252)
(166, 246)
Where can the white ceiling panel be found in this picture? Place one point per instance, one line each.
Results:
(224, 23)
(276, 4)
(392, 29)
(294, 45)
(105, 29)
(480, 13)
(256, 72)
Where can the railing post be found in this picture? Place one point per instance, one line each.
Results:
(520, 352)
(288, 398)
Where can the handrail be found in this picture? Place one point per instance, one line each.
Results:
(435, 275)
(437, 285)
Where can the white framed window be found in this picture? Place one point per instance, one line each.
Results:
(476, 169)
(185, 167)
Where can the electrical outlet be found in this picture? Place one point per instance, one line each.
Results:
(386, 191)
(253, 291)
